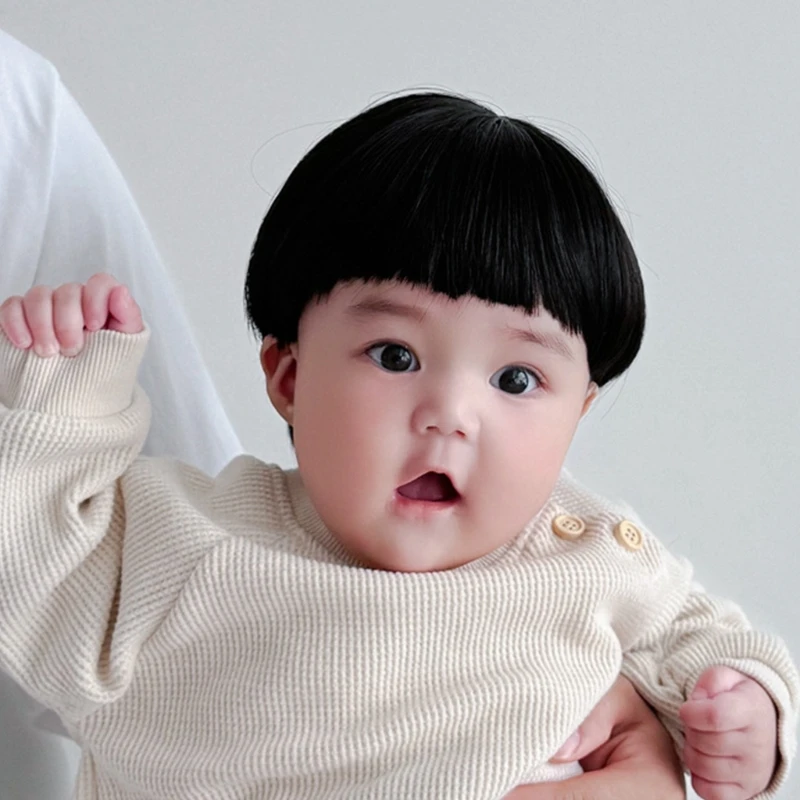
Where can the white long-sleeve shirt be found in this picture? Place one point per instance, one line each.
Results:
(208, 637)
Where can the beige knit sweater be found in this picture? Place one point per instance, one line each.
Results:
(207, 638)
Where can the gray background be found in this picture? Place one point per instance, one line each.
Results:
(690, 112)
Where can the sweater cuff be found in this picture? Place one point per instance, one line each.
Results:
(98, 382)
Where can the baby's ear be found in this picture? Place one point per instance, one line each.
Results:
(280, 369)
(592, 393)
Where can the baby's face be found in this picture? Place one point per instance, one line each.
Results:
(397, 387)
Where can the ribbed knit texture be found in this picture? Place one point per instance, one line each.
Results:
(208, 638)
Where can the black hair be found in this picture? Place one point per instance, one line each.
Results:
(439, 191)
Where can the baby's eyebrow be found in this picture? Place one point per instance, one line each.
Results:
(378, 306)
(375, 306)
(550, 341)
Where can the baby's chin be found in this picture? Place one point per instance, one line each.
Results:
(413, 565)
(410, 558)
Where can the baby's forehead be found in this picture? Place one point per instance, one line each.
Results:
(360, 303)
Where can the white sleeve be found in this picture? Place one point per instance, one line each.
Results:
(66, 213)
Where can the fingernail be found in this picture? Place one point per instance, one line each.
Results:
(570, 747)
(71, 352)
(45, 351)
(699, 694)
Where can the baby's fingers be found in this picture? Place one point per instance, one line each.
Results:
(124, 314)
(13, 324)
(37, 305)
(68, 318)
(713, 790)
(108, 304)
(717, 777)
(731, 744)
(718, 769)
(95, 300)
(722, 713)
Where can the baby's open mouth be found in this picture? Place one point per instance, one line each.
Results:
(432, 486)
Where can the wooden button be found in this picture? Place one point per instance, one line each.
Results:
(628, 535)
(568, 527)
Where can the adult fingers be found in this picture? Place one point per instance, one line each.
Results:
(615, 782)
(614, 707)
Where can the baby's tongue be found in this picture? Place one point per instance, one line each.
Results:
(430, 486)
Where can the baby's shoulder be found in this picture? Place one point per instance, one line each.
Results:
(246, 495)
(570, 492)
(581, 523)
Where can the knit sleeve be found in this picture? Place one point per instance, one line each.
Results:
(699, 631)
(69, 428)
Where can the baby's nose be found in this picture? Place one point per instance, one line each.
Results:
(448, 412)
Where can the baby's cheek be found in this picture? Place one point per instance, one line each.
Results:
(537, 450)
(373, 412)
(528, 471)
(348, 437)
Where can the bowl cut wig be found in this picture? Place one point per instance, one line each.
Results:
(441, 192)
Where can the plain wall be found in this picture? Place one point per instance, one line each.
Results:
(689, 110)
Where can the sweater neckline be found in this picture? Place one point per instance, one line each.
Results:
(307, 518)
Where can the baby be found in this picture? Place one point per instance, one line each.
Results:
(440, 292)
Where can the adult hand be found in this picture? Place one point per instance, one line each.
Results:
(625, 752)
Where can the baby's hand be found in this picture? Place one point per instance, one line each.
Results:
(54, 320)
(731, 736)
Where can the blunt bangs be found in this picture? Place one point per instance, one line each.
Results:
(441, 192)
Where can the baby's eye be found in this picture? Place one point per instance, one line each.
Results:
(515, 380)
(393, 357)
